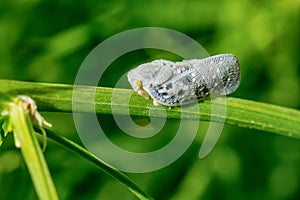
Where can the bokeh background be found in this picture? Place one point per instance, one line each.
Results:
(46, 41)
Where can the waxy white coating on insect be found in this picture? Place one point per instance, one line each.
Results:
(175, 83)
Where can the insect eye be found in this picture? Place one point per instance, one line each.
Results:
(138, 83)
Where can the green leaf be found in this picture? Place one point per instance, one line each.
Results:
(116, 174)
(22, 127)
(4, 123)
(239, 112)
(4, 100)
(31, 151)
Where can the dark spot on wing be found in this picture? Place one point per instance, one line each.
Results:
(202, 91)
(180, 92)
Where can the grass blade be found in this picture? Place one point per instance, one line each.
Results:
(249, 114)
(32, 153)
(116, 174)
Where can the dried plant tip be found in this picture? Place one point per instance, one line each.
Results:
(29, 104)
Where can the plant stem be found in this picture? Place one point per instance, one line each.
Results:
(244, 113)
(116, 174)
(32, 153)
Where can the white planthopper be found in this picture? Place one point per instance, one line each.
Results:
(176, 83)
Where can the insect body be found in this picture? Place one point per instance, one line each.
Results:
(175, 83)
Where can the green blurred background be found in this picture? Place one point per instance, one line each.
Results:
(46, 41)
